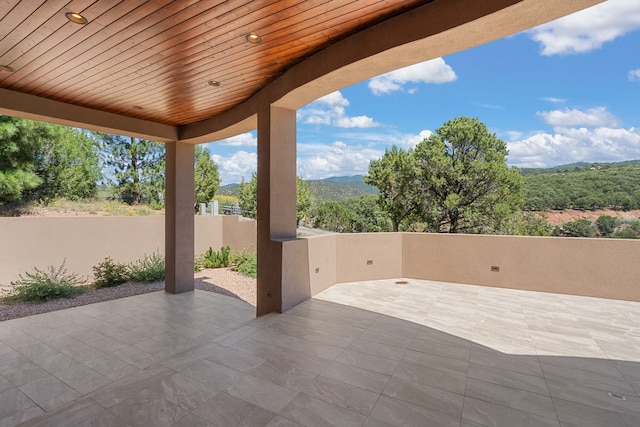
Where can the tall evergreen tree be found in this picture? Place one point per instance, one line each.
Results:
(138, 167)
(17, 164)
(394, 174)
(207, 178)
(463, 180)
(43, 161)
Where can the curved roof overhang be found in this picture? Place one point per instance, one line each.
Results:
(435, 29)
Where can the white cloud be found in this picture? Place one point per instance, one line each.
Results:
(634, 75)
(592, 117)
(569, 145)
(318, 161)
(413, 140)
(235, 167)
(243, 140)
(355, 122)
(334, 99)
(554, 100)
(330, 110)
(433, 71)
(588, 29)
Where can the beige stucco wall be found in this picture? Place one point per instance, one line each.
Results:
(322, 262)
(608, 268)
(237, 232)
(83, 242)
(354, 251)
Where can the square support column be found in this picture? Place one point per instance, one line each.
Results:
(276, 209)
(179, 217)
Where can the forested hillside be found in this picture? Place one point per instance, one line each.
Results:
(323, 190)
(584, 186)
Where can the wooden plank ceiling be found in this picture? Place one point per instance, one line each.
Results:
(153, 59)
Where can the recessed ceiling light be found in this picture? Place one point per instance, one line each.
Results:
(213, 83)
(6, 68)
(76, 17)
(253, 38)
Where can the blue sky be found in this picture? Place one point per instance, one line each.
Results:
(564, 92)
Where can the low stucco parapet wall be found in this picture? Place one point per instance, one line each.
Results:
(605, 268)
(82, 242)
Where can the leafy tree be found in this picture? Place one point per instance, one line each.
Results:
(333, 216)
(577, 228)
(207, 179)
(248, 197)
(526, 224)
(630, 230)
(67, 161)
(394, 174)
(606, 225)
(138, 166)
(463, 178)
(43, 160)
(366, 214)
(17, 166)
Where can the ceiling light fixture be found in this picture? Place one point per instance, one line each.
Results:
(6, 68)
(76, 18)
(253, 38)
(213, 83)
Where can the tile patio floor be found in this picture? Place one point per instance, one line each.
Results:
(371, 353)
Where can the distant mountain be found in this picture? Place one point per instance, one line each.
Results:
(229, 190)
(577, 167)
(339, 188)
(322, 190)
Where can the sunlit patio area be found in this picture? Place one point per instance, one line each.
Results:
(377, 353)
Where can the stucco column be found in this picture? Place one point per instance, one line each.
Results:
(276, 200)
(179, 217)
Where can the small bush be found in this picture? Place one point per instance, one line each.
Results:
(109, 273)
(215, 259)
(41, 286)
(150, 268)
(245, 263)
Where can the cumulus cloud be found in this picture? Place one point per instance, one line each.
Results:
(433, 71)
(235, 167)
(334, 99)
(411, 141)
(569, 145)
(634, 75)
(317, 161)
(592, 117)
(331, 110)
(243, 140)
(588, 29)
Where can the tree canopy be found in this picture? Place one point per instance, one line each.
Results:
(207, 178)
(248, 197)
(41, 161)
(138, 167)
(456, 180)
(394, 174)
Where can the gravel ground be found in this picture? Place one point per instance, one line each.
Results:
(220, 280)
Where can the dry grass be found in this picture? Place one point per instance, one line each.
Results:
(65, 208)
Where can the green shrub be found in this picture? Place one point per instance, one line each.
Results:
(109, 273)
(245, 263)
(215, 259)
(150, 268)
(41, 286)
